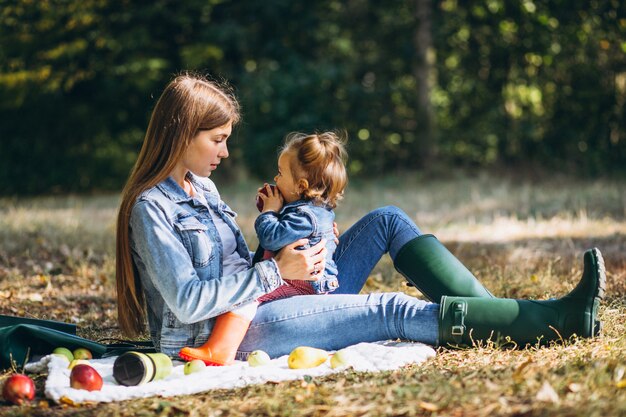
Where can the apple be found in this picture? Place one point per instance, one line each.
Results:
(82, 353)
(18, 388)
(85, 377)
(77, 362)
(340, 358)
(62, 351)
(258, 358)
(259, 202)
(195, 365)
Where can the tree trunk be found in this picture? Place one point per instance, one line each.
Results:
(422, 69)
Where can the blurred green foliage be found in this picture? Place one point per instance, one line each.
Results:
(541, 82)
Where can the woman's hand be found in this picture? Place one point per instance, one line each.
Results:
(303, 264)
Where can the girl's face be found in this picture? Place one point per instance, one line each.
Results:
(286, 183)
(206, 150)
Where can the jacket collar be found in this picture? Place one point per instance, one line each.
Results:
(173, 191)
(300, 203)
(295, 204)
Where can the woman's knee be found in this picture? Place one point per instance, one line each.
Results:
(395, 215)
(389, 210)
(400, 228)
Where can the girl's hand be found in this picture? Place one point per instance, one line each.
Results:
(304, 264)
(273, 201)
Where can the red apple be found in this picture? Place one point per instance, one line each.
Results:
(85, 377)
(259, 202)
(18, 388)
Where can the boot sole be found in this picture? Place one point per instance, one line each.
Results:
(188, 358)
(595, 325)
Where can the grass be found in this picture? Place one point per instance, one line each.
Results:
(522, 239)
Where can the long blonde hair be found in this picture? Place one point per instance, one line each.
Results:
(188, 104)
(319, 158)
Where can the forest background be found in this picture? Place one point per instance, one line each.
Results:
(534, 86)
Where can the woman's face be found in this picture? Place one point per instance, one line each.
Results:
(206, 150)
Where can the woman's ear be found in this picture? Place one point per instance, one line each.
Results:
(303, 185)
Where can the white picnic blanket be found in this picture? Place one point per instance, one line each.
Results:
(378, 356)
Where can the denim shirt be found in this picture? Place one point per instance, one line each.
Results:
(297, 220)
(177, 253)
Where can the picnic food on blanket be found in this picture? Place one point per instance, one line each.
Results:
(82, 353)
(63, 351)
(306, 357)
(340, 358)
(85, 377)
(136, 368)
(258, 358)
(18, 389)
(77, 362)
(259, 202)
(192, 366)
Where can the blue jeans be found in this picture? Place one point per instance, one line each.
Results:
(344, 317)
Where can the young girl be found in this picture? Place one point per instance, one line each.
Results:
(311, 179)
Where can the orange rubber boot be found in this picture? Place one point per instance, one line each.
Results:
(220, 349)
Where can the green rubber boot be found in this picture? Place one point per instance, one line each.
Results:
(433, 270)
(464, 320)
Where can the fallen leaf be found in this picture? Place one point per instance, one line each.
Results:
(518, 374)
(67, 400)
(35, 297)
(428, 406)
(547, 394)
(621, 384)
(491, 386)
(490, 408)
(574, 387)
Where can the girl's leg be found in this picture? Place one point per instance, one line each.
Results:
(333, 322)
(386, 229)
(229, 330)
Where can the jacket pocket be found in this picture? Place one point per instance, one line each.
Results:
(195, 239)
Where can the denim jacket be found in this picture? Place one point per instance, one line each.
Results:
(297, 220)
(177, 252)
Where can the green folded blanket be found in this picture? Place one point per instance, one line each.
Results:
(21, 336)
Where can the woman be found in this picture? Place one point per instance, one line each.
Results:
(182, 260)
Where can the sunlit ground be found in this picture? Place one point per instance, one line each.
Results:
(521, 239)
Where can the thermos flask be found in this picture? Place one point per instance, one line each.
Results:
(135, 368)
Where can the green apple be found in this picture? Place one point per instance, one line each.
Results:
(195, 365)
(82, 353)
(62, 351)
(258, 358)
(340, 358)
